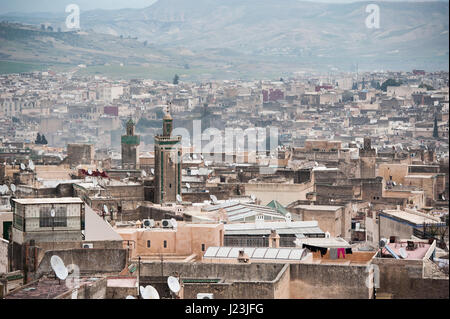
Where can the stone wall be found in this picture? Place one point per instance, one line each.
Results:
(403, 279)
(3, 256)
(88, 260)
(320, 281)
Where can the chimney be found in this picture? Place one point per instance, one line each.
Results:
(243, 257)
(274, 239)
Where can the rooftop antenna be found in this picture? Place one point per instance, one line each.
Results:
(149, 292)
(213, 198)
(174, 285)
(58, 267)
(174, 222)
(403, 253)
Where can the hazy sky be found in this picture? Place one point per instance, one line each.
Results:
(60, 5)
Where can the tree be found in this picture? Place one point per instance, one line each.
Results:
(44, 140)
(390, 82)
(38, 139)
(176, 79)
(428, 87)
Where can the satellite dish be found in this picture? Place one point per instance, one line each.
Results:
(105, 209)
(179, 198)
(201, 156)
(130, 297)
(128, 174)
(403, 253)
(213, 198)
(253, 197)
(194, 156)
(144, 173)
(89, 171)
(58, 267)
(31, 165)
(174, 222)
(383, 242)
(22, 166)
(149, 292)
(52, 212)
(173, 284)
(13, 188)
(188, 185)
(152, 171)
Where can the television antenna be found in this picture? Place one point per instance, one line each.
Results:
(149, 292)
(213, 198)
(403, 253)
(174, 284)
(58, 267)
(174, 222)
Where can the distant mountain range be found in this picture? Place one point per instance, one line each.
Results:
(293, 35)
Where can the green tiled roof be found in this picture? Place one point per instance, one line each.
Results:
(278, 207)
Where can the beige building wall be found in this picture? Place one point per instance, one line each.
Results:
(283, 193)
(397, 171)
(186, 240)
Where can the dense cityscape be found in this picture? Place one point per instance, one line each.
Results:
(314, 185)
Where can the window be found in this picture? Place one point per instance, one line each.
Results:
(165, 244)
(203, 247)
(46, 220)
(148, 243)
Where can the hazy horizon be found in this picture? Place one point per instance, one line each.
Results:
(27, 6)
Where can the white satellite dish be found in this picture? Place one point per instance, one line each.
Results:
(89, 171)
(179, 200)
(144, 173)
(105, 209)
(22, 166)
(194, 156)
(201, 156)
(188, 185)
(130, 297)
(152, 171)
(213, 198)
(149, 292)
(31, 165)
(52, 212)
(253, 197)
(173, 284)
(58, 267)
(13, 188)
(128, 174)
(174, 222)
(403, 253)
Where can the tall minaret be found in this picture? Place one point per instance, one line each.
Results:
(130, 147)
(167, 163)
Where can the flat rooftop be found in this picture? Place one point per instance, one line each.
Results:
(59, 200)
(319, 207)
(45, 288)
(417, 219)
(418, 253)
